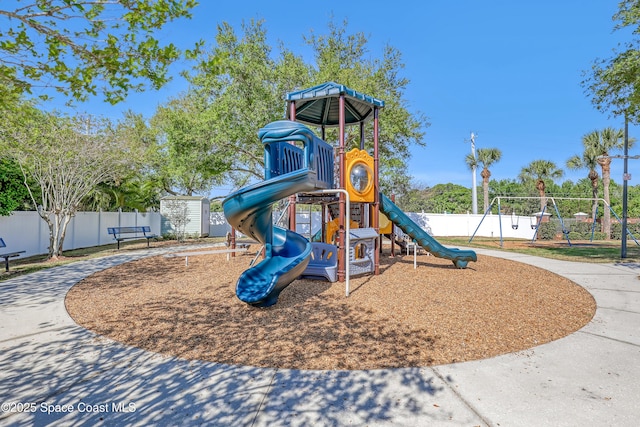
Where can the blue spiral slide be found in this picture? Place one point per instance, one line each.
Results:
(459, 257)
(288, 170)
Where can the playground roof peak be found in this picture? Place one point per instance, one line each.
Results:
(319, 105)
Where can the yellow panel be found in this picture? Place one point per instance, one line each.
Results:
(359, 176)
(333, 227)
(386, 226)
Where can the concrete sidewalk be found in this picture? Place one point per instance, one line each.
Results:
(54, 372)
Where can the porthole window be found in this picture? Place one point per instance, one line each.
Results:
(361, 177)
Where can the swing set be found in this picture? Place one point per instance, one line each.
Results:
(539, 216)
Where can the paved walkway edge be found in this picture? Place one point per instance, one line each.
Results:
(54, 372)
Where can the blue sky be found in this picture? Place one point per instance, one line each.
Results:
(508, 71)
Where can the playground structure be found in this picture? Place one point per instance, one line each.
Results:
(538, 218)
(300, 167)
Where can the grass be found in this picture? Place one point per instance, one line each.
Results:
(579, 251)
(21, 266)
(583, 251)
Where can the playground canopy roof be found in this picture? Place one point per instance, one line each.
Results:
(320, 105)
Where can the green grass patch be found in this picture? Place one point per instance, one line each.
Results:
(21, 266)
(581, 251)
(578, 251)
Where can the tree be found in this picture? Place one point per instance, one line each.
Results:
(506, 187)
(614, 84)
(243, 84)
(413, 199)
(634, 202)
(82, 48)
(132, 189)
(539, 171)
(14, 195)
(67, 157)
(344, 58)
(178, 216)
(132, 192)
(190, 156)
(602, 143)
(447, 198)
(208, 135)
(588, 160)
(485, 158)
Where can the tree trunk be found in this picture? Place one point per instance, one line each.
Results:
(485, 174)
(594, 194)
(540, 185)
(54, 250)
(57, 231)
(45, 217)
(65, 219)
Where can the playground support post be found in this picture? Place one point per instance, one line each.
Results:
(553, 199)
(376, 192)
(342, 214)
(625, 178)
(483, 217)
(347, 230)
(538, 222)
(393, 234)
(500, 221)
(292, 198)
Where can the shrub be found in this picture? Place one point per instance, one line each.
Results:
(574, 235)
(547, 231)
(583, 228)
(616, 231)
(178, 215)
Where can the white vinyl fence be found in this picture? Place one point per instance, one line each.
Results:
(434, 224)
(26, 231)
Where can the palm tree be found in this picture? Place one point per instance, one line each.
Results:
(588, 160)
(129, 193)
(540, 170)
(602, 143)
(486, 158)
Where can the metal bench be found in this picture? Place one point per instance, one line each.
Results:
(8, 254)
(123, 233)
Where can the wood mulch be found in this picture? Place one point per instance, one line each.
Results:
(435, 314)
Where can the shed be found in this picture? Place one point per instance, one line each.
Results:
(194, 210)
